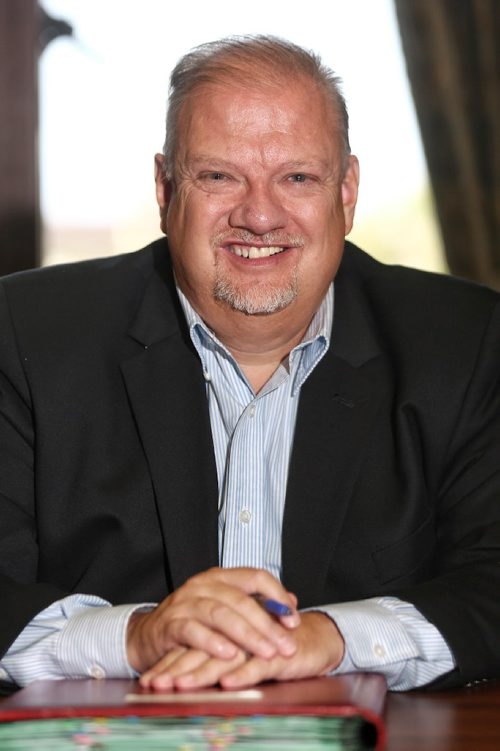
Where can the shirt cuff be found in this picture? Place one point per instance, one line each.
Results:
(391, 637)
(373, 636)
(93, 643)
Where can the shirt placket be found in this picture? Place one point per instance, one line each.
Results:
(242, 514)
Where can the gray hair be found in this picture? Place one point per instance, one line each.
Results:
(251, 61)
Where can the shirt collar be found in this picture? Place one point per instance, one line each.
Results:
(302, 359)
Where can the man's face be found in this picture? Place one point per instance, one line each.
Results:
(259, 207)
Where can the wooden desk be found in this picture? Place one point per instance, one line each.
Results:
(461, 720)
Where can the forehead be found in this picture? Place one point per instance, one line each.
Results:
(295, 111)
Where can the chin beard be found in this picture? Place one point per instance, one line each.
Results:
(257, 299)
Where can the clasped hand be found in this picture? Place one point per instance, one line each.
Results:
(212, 631)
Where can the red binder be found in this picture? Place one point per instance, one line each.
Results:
(357, 696)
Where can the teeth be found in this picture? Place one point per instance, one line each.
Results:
(245, 251)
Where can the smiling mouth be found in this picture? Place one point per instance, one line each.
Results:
(251, 251)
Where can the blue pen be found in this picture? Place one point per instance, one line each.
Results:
(273, 607)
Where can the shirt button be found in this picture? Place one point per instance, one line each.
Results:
(96, 671)
(379, 650)
(206, 375)
(245, 516)
(251, 411)
(3, 674)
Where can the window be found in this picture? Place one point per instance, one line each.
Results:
(102, 102)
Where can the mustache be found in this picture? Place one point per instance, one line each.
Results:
(269, 238)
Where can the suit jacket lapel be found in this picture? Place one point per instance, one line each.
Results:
(167, 395)
(337, 408)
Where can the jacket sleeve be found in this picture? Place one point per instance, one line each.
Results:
(20, 596)
(463, 599)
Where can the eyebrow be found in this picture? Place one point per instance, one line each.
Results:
(300, 166)
(203, 158)
(295, 166)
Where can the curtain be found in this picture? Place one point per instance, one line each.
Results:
(451, 53)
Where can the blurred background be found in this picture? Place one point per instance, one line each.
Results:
(83, 88)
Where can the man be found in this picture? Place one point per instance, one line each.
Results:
(250, 409)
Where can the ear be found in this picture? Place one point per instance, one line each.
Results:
(163, 190)
(350, 185)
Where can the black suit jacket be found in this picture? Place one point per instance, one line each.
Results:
(107, 478)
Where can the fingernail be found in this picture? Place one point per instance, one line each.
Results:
(291, 621)
(226, 650)
(184, 681)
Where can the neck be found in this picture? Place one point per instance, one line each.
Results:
(260, 343)
(258, 367)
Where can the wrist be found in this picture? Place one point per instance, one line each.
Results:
(327, 634)
(136, 648)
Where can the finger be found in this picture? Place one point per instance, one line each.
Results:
(208, 672)
(246, 579)
(189, 632)
(246, 624)
(290, 621)
(251, 672)
(161, 667)
(282, 613)
(153, 635)
(295, 602)
(320, 649)
(215, 624)
(178, 662)
(233, 588)
(294, 599)
(195, 634)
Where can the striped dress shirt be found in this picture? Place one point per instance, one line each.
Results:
(252, 436)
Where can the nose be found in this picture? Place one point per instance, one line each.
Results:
(259, 210)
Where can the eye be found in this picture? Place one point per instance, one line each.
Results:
(298, 178)
(213, 181)
(215, 176)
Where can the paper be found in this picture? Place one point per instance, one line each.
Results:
(253, 733)
(195, 697)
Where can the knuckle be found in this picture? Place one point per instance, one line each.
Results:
(261, 578)
(173, 599)
(190, 631)
(218, 611)
(176, 624)
(196, 578)
(213, 571)
(202, 576)
(173, 632)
